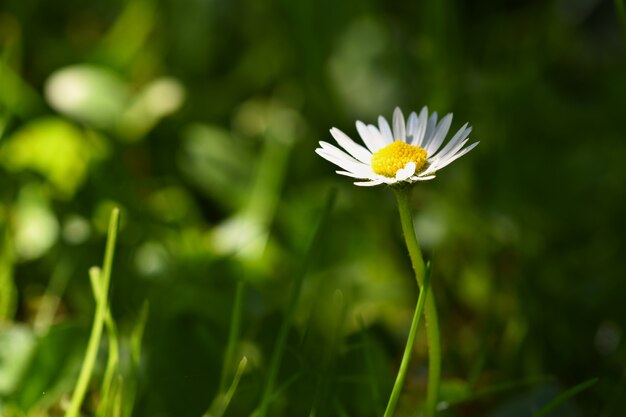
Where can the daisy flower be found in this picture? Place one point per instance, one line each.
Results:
(410, 152)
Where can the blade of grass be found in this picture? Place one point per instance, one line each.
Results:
(478, 365)
(281, 340)
(8, 289)
(408, 349)
(221, 402)
(614, 405)
(130, 31)
(117, 404)
(233, 334)
(52, 297)
(495, 389)
(564, 396)
(114, 345)
(285, 386)
(136, 339)
(98, 321)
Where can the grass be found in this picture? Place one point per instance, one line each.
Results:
(100, 283)
(220, 200)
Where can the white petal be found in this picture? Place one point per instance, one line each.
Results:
(450, 153)
(399, 132)
(404, 173)
(354, 149)
(347, 162)
(432, 124)
(372, 140)
(385, 130)
(334, 151)
(368, 183)
(354, 175)
(426, 178)
(458, 155)
(374, 132)
(441, 160)
(439, 135)
(421, 127)
(458, 137)
(411, 126)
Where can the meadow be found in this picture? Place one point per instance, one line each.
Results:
(172, 246)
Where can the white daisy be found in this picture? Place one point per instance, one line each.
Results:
(411, 152)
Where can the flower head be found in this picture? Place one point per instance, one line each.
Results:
(411, 152)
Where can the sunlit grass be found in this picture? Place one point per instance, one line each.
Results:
(199, 122)
(100, 284)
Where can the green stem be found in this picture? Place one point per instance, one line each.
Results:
(233, 334)
(95, 275)
(223, 399)
(408, 349)
(98, 321)
(430, 311)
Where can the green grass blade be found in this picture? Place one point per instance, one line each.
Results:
(136, 340)
(114, 345)
(136, 337)
(564, 396)
(52, 297)
(493, 390)
(281, 340)
(8, 290)
(222, 401)
(117, 403)
(233, 334)
(98, 322)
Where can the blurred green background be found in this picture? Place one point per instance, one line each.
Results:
(199, 119)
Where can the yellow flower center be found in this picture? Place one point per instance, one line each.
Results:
(388, 160)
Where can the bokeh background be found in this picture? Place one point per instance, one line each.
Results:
(199, 119)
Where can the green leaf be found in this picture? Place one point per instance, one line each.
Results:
(35, 147)
(564, 396)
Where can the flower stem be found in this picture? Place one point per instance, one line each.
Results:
(430, 310)
(408, 349)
